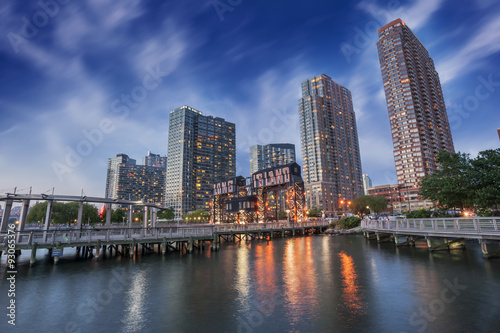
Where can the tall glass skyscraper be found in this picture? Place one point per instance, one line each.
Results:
(330, 148)
(201, 152)
(417, 113)
(271, 155)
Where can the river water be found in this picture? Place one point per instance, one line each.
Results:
(304, 284)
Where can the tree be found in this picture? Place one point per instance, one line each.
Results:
(486, 178)
(118, 216)
(452, 185)
(167, 214)
(314, 212)
(63, 213)
(360, 203)
(283, 215)
(196, 216)
(378, 204)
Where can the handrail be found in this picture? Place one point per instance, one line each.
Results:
(460, 226)
(69, 236)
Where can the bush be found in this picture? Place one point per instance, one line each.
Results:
(346, 223)
(419, 214)
(484, 212)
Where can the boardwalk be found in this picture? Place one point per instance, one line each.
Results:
(452, 230)
(127, 239)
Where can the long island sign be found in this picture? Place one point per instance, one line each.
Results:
(270, 177)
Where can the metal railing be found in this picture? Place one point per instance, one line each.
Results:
(460, 226)
(72, 236)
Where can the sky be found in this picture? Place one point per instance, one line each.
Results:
(84, 80)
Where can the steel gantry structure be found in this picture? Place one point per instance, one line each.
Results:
(237, 200)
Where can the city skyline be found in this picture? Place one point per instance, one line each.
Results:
(71, 110)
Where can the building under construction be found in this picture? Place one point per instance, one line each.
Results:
(256, 199)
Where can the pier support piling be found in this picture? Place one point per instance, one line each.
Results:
(33, 254)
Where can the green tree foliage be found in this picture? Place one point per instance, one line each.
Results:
(314, 212)
(378, 204)
(197, 216)
(375, 204)
(63, 213)
(486, 178)
(464, 183)
(167, 214)
(419, 214)
(283, 215)
(451, 185)
(346, 223)
(118, 216)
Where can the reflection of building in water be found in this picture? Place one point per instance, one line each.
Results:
(351, 294)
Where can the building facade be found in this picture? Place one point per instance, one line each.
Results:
(330, 149)
(112, 177)
(270, 156)
(417, 113)
(127, 180)
(155, 160)
(367, 183)
(201, 152)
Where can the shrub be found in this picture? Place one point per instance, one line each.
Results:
(348, 222)
(419, 214)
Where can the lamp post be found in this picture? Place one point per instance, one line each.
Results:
(288, 216)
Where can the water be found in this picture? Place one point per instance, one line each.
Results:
(303, 284)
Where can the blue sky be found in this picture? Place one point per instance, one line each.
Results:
(83, 81)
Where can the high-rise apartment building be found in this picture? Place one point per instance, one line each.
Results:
(201, 152)
(155, 160)
(367, 183)
(417, 113)
(330, 148)
(112, 178)
(271, 155)
(128, 181)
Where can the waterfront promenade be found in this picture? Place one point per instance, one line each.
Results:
(126, 240)
(439, 233)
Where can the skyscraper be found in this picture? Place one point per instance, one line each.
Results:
(417, 113)
(271, 155)
(330, 148)
(128, 181)
(201, 152)
(367, 183)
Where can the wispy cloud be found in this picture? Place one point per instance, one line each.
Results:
(484, 42)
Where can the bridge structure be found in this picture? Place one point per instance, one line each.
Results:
(438, 233)
(25, 199)
(101, 241)
(235, 200)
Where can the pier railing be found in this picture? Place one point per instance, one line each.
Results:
(480, 226)
(74, 236)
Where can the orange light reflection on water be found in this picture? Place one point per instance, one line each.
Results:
(300, 278)
(351, 294)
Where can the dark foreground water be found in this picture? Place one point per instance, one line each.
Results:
(304, 284)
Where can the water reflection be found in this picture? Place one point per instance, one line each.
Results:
(242, 276)
(134, 318)
(351, 295)
(301, 295)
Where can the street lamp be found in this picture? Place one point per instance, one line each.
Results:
(288, 216)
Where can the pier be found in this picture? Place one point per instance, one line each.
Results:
(438, 233)
(99, 241)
